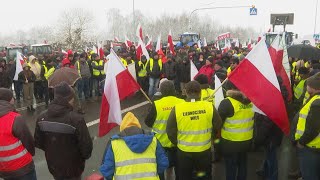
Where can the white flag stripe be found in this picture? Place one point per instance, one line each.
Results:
(218, 97)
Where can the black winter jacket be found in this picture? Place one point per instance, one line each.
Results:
(64, 137)
(226, 110)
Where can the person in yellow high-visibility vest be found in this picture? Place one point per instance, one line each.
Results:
(307, 134)
(46, 72)
(154, 71)
(98, 73)
(157, 120)
(301, 87)
(133, 153)
(237, 132)
(141, 69)
(207, 94)
(191, 126)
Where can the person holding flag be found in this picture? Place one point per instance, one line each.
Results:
(157, 120)
(237, 132)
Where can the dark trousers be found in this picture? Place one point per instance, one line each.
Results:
(144, 83)
(38, 89)
(30, 176)
(270, 165)
(309, 164)
(172, 157)
(83, 87)
(17, 89)
(236, 166)
(97, 85)
(194, 165)
(47, 92)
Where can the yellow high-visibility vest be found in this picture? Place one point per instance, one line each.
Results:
(164, 107)
(301, 125)
(97, 72)
(194, 122)
(298, 90)
(48, 73)
(143, 71)
(151, 64)
(239, 127)
(130, 165)
(305, 98)
(229, 71)
(207, 95)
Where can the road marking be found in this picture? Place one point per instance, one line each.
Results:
(25, 107)
(122, 111)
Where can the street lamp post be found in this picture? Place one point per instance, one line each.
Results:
(221, 7)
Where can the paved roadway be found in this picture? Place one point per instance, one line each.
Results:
(139, 107)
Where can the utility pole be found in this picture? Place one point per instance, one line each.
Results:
(315, 18)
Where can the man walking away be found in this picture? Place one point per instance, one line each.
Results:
(237, 132)
(63, 135)
(133, 154)
(16, 142)
(191, 126)
(35, 67)
(157, 119)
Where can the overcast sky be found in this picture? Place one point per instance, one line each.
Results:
(24, 14)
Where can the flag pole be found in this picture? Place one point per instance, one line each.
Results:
(144, 93)
(216, 90)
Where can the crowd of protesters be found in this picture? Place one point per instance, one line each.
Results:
(233, 128)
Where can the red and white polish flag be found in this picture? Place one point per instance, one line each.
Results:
(128, 42)
(119, 84)
(19, 62)
(170, 42)
(276, 51)
(139, 32)
(256, 78)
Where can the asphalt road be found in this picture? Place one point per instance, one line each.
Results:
(138, 105)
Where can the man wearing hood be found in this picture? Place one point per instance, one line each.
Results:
(35, 67)
(133, 154)
(63, 135)
(237, 132)
(28, 78)
(15, 139)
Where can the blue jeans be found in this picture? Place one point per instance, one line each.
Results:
(236, 166)
(83, 87)
(30, 176)
(153, 85)
(309, 163)
(271, 163)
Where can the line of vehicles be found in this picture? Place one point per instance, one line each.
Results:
(10, 51)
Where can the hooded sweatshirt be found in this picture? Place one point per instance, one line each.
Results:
(21, 131)
(226, 110)
(137, 141)
(36, 69)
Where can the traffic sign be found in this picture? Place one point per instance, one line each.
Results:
(253, 11)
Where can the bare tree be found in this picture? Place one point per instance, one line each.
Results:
(75, 27)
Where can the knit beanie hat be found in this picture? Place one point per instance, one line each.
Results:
(63, 90)
(129, 120)
(6, 94)
(314, 81)
(202, 79)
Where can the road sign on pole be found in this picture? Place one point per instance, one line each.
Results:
(253, 11)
